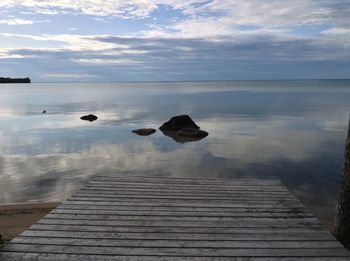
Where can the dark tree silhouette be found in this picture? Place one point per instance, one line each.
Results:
(14, 80)
(342, 220)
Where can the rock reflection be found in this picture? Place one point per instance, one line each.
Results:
(144, 131)
(180, 139)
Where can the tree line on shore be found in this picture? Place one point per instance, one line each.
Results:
(14, 80)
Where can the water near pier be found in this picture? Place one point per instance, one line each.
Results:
(290, 130)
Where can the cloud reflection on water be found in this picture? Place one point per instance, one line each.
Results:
(290, 134)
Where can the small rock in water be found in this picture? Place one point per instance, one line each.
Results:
(144, 131)
(89, 117)
(44, 111)
(179, 122)
(192, 133)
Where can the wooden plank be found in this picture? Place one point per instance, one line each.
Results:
(74, 257)
(239, 222)
(172, 229)
(300, 236)
(194, 182)
(194, 200)
(179, 197)
(225, 179)
(158, 251)
(186, 192)
(158, 180)
(171, 213)
(187, 185)
(166, 243)
(121, 185)
(191, 209)
(186, 203)
(167, 218)
(179, 203)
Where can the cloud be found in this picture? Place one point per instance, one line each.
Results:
(68, 75)
(246, 56)
(10, 56)
(116, 8)
(229, 18)
(101, 61)
(72, 42)
(294, 145)
(272, 13)
(194, 39)
(16, 22)
(337, 31)
(21, 22)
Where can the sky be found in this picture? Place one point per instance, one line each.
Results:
(174, 40)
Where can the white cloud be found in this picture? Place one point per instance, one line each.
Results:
(229, 18)
(116, 8)
(15, 21)
(10, 53)
(101, 61)
(68, 75)
(272, 13)
(10, 56)
(209, 28)
(202, 18)
(74, 42)
(337, 31)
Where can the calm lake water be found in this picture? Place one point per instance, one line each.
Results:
(290, 130)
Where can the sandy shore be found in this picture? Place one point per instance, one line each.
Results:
(15, 218)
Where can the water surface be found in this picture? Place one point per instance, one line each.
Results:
(290, 130)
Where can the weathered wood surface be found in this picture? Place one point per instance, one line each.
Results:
(162, 218)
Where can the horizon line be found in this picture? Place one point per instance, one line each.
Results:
(174, 81)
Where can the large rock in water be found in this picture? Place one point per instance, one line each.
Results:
(144, 132)
(192, 133)
(179, 122)
(89, 117)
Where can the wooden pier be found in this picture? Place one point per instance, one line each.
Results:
(119, 217)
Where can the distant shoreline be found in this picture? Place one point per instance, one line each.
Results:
(190, 81)
(14, 80)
